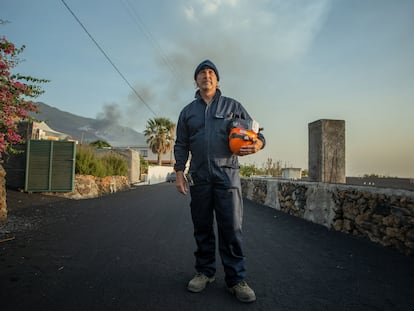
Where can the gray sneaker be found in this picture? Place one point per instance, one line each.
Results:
(243, 292)
(199, 282)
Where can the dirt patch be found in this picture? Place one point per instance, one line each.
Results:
(26, 211)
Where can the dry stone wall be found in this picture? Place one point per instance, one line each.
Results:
(87, 186)
(385, 216)
(3, 205)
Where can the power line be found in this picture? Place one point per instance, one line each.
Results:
(138, 20)
(109, 59)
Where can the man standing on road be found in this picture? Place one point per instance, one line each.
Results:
(214, 181)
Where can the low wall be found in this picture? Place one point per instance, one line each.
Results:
(3, 205)
(87, 186)
(158, 174)
(385, 216)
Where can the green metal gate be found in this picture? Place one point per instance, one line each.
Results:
(50, 166)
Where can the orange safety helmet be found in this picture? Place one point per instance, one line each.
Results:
(239, 137)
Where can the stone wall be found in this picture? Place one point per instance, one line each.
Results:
(3, 205)
(385, 216)
(87, 186)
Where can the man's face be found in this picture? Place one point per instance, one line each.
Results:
(206, 79)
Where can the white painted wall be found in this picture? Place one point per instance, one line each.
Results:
(158, 174)
(291, 173)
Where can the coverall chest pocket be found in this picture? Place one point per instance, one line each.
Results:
(221, 123)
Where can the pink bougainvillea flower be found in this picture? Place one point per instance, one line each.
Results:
(14, 105)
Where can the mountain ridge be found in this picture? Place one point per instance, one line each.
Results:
(88, 129)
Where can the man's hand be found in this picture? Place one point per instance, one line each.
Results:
(180, 183)
(250, 149)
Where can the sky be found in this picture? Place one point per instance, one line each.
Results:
(289, 62)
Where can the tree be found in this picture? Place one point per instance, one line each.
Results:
(248, 170)
(15, 93)
(143, 164)
(271, 168)
(100, 144)
(160, 136)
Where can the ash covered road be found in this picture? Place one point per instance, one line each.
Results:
(133, 250)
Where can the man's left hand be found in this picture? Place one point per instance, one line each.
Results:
(250, 149)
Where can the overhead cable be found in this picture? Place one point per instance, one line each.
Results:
(138, 20)
(109, 59)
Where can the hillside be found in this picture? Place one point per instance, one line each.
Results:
(88, 129)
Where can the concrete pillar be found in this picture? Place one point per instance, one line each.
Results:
(132, 157)
(327, 151)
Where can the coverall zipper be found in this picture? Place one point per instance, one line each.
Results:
(207, 135)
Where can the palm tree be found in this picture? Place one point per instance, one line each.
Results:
(160, 136)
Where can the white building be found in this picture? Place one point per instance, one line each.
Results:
(291, 173)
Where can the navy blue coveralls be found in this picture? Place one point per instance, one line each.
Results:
(202, 131)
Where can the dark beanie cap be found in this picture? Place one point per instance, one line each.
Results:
(206, 64)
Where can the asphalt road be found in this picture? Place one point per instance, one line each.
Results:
(134, 251)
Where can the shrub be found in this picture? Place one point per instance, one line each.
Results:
(88, 163)
(249, 170)
(143, 164)
(115, 164)
(85, 160)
